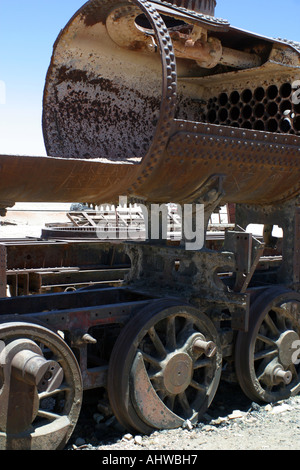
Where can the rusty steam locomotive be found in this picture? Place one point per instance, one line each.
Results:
(160, 101)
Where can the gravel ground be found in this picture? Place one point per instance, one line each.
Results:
(231, 423)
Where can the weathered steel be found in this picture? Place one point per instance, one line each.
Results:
(152, 95)
(83, 315)
(162, 102)
(264, 354)
(124, 115)
(33, 266)
(29, 380)
(157, 378)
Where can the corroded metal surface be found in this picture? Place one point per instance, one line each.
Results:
(162, 103)
(157, 377)
(34, 266)
(206, 7)
(41, 392)
(265, 366)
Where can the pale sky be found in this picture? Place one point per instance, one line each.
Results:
(28, 29)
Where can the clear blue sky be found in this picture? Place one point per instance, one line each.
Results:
(28, 29)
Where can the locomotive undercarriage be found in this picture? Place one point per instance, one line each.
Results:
(158, 338)
(186, 111)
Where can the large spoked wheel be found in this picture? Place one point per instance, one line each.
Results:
(266, 358)
(165, 367)
(40, 388)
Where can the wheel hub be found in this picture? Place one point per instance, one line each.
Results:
(178, 373)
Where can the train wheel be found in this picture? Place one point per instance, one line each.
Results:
(165, 367)
(266, 356)
(40, 388)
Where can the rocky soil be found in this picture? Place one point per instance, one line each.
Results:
(231, 423)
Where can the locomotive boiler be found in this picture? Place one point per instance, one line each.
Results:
(162, 102)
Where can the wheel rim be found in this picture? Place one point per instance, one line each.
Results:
(40, 388)
(165, 368)
(266, 356)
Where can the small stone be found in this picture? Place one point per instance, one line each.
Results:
(218, 421)
(208, 428)
(251, 419)
(187, 425)
(127, 437)
(280, 409)
(155, 441)
(236, 414)
(268, 407)
(138, 440)
(255, 406)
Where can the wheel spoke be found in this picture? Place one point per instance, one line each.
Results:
(202, 363)
(170, 401)
(171, 334)
(62, 388)
(266, 340)
(157, 381)
(280, 317)
(266, 353)
(150, 359)
(182, 398)
(48, 415)
(197, 386)
(268, 320)
(189, 325)
(160, 349)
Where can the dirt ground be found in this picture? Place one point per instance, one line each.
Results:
(28, 220)
(232, 422)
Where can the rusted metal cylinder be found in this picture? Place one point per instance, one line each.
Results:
(117, 97)
(209, 348)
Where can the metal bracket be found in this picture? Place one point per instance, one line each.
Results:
(247, 250)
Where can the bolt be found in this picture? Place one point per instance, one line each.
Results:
(88, 339)
(284, 375)
(209, 348)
